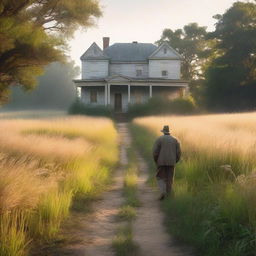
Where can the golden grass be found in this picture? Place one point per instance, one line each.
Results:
(213, 133)
(20, 186)
(215, 181)
(45, 163)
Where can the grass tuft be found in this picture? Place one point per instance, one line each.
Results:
(123, 243)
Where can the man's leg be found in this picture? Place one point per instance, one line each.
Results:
(161, 181)
(169, 170)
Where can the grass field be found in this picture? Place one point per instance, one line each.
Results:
(48, 165)
(214, 208)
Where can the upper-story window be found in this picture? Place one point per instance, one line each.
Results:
(93, 96)
(164, 73)
(138, 72)
(165, 50)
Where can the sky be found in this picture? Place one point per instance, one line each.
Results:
(125, 21)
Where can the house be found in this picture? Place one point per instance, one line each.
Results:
(129, 73)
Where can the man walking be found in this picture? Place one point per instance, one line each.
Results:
(166, 153)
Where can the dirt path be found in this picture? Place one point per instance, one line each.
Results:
(149, 231)
(94, 233)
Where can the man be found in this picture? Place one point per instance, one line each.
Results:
(166, 153)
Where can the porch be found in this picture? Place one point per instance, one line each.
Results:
(120, 96)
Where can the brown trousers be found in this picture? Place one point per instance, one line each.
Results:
(166, 173)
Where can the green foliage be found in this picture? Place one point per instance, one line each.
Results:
(32, 36)
(130, 188)
(13, 233)
(190, 43)
(221, 65)
(212, 210)
(127, 213)
(144, 140)
(78, 108)
(52, 210)
(123, 244)
(231, 77)
(158, 105)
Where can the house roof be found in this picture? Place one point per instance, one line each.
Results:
(129, 52)
(94, 53)
(173, 54)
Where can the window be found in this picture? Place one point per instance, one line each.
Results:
(138, 72)
(93, 96)
(165, 50)
(164, 73)
(138, 98)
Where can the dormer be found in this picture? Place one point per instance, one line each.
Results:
(94, 63)
(165, 62)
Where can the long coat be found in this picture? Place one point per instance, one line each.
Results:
(166, 150)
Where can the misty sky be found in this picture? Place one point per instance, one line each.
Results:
(144, 20)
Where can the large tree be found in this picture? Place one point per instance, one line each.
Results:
(190, 43)
(33, 33)
(231, 77)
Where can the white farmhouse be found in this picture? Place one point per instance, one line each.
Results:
(129, 73)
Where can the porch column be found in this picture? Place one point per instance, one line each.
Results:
(109, 94)
(129, 94)
(106, 94)
(150, 91)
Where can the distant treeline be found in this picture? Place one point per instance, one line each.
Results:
(55, 90)
(220, 65)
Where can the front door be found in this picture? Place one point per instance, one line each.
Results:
(118, 102)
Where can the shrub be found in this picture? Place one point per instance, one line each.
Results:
(158, 105)
(79, 108)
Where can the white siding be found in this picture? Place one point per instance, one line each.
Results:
(168, 54)
(128, 69)
(171, 66)
(94, 69)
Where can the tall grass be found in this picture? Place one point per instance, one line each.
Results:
(214, 204)
(47, 165)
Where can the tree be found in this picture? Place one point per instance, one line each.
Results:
(191, 44)
(32, 35)
(231, 77)
(55, 89)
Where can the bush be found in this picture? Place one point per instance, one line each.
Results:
(158, 105)
(78, 108)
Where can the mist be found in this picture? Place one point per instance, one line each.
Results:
(55, 90)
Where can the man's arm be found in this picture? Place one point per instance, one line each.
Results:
(156, 150)
(178, 152)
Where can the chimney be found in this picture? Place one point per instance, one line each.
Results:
(105, 42)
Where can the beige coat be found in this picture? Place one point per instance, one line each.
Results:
(166, 151)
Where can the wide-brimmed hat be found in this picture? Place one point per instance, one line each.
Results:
(165, 129)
